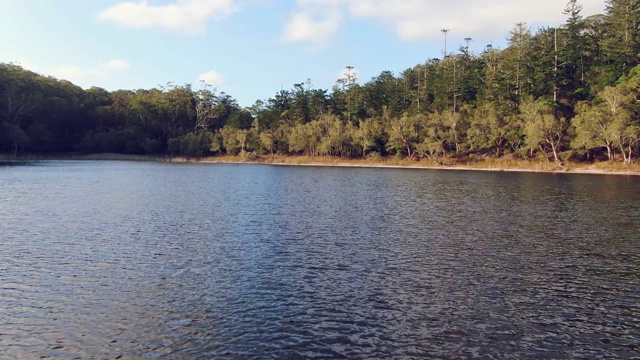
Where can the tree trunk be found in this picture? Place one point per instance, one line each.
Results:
(555, 155)
(624, 154)
(544, 153)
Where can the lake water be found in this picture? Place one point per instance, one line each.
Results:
(187, 261)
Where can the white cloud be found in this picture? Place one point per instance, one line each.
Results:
(115, 64)
(414, 20)
(302, 27)
(213, 78)
(184, 16)
(315, 22)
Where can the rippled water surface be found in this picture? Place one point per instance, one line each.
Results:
(142, 260)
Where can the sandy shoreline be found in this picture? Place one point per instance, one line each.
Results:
(522, 166)
(585, 170)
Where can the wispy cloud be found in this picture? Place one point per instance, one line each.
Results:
(115, 64)
(304, 27)
(87, 75)
(315, 22)
(188, 17)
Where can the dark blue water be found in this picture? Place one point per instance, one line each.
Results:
(115, 259)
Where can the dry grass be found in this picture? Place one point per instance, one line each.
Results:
(506, 163)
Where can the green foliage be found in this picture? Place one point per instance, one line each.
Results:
(571, 87)
(542, 128)
(404, 135)
(490, 131)
(217, 142)
(112, 141)
(370, 135)
(191, 144)
(12, 137)
(233, 139)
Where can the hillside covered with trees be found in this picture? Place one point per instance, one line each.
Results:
(555, 92)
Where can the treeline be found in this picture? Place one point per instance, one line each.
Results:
(570, 90)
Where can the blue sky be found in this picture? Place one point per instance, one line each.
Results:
(250, 48)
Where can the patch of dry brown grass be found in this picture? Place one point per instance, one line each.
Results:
(505, 163)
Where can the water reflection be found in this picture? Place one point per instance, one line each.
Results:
(7, 163)
(107, 259)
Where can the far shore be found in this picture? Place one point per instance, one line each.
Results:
(504, 165)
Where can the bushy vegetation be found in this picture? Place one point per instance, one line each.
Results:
(568, 88)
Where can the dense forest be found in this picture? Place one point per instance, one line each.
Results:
(554, 93)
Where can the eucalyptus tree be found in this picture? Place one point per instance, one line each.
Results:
(455, 122)
(593, 129)
(631, 138)
(16, 104)
(609, 123)
(16, 96)
(434, 135)
(205, 109)
(267, 141)
(618, 102)
(306, 138)
(233, 139)
(404, 134)
(489, 129)
(369, 135)
(336, 136)
(542, 128)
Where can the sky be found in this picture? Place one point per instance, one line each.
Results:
(250, 49)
